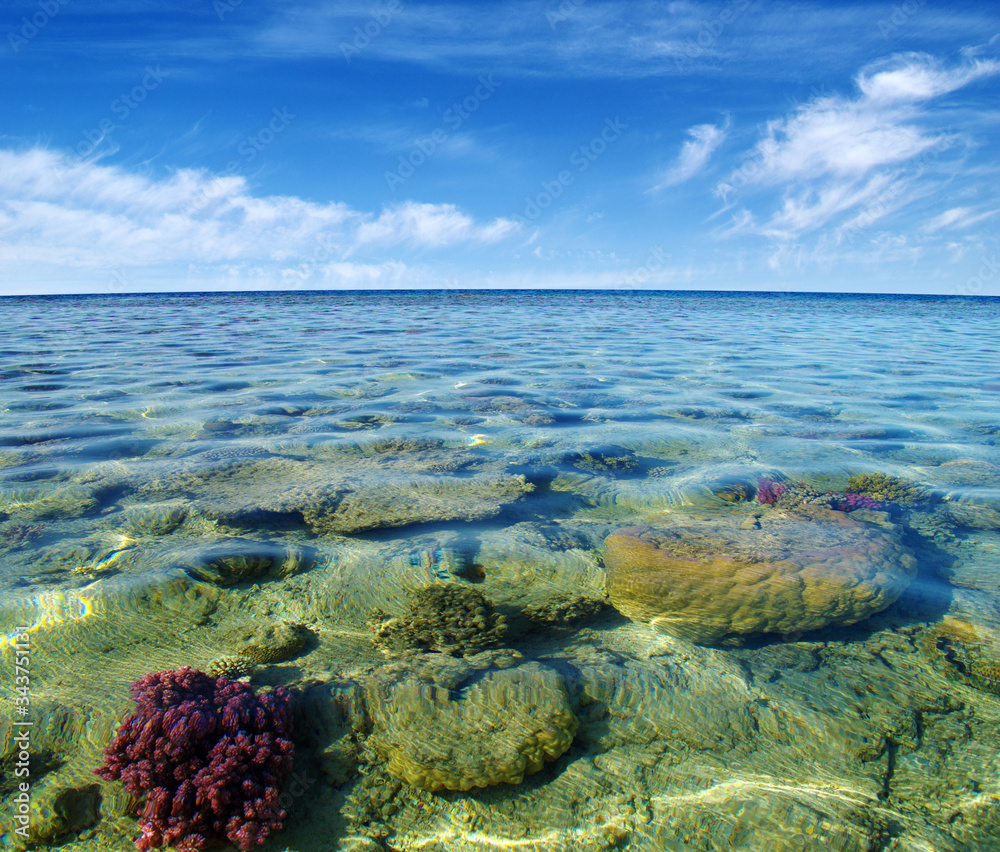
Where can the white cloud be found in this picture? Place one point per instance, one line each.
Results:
(811, 210)
(917, 77)
(431, 226)
(855, 158)
(59, 210)
(957, 218)
(705, 138)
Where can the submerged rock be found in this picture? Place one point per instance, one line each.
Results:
(398, 504)
(963, 652)
(972, 514)
(238, 560)
(60, 810)
(69, 501)
(352, 493)
(795, 571)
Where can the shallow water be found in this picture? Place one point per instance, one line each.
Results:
(176, 469)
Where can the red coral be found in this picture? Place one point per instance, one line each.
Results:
(770, 491)
(209, 755)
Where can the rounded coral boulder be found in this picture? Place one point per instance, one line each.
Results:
(788, 572)
(505, 726)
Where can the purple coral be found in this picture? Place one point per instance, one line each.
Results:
(850, 502)
(770, 491)
(209, 755)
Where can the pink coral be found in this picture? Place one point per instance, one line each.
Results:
(850, 502)
(770, 491)
(209, 755)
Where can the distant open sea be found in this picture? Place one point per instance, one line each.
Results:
(189, 478)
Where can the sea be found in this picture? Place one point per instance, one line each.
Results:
(536, 570)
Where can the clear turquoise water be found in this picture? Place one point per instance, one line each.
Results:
(114, 400)
(788, 377)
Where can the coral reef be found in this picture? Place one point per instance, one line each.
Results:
(503, 727)
(888, 489)
(775, 492)
(449, 619)
(801, 494)
(793, 571)
(209, 755)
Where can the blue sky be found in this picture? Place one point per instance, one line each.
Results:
(238, 144)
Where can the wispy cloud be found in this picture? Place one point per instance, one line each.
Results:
(57, 209)
(848, 161)
(538, 38)
(596, 38)
(705, 138)
(958, 218)
(911, 77)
